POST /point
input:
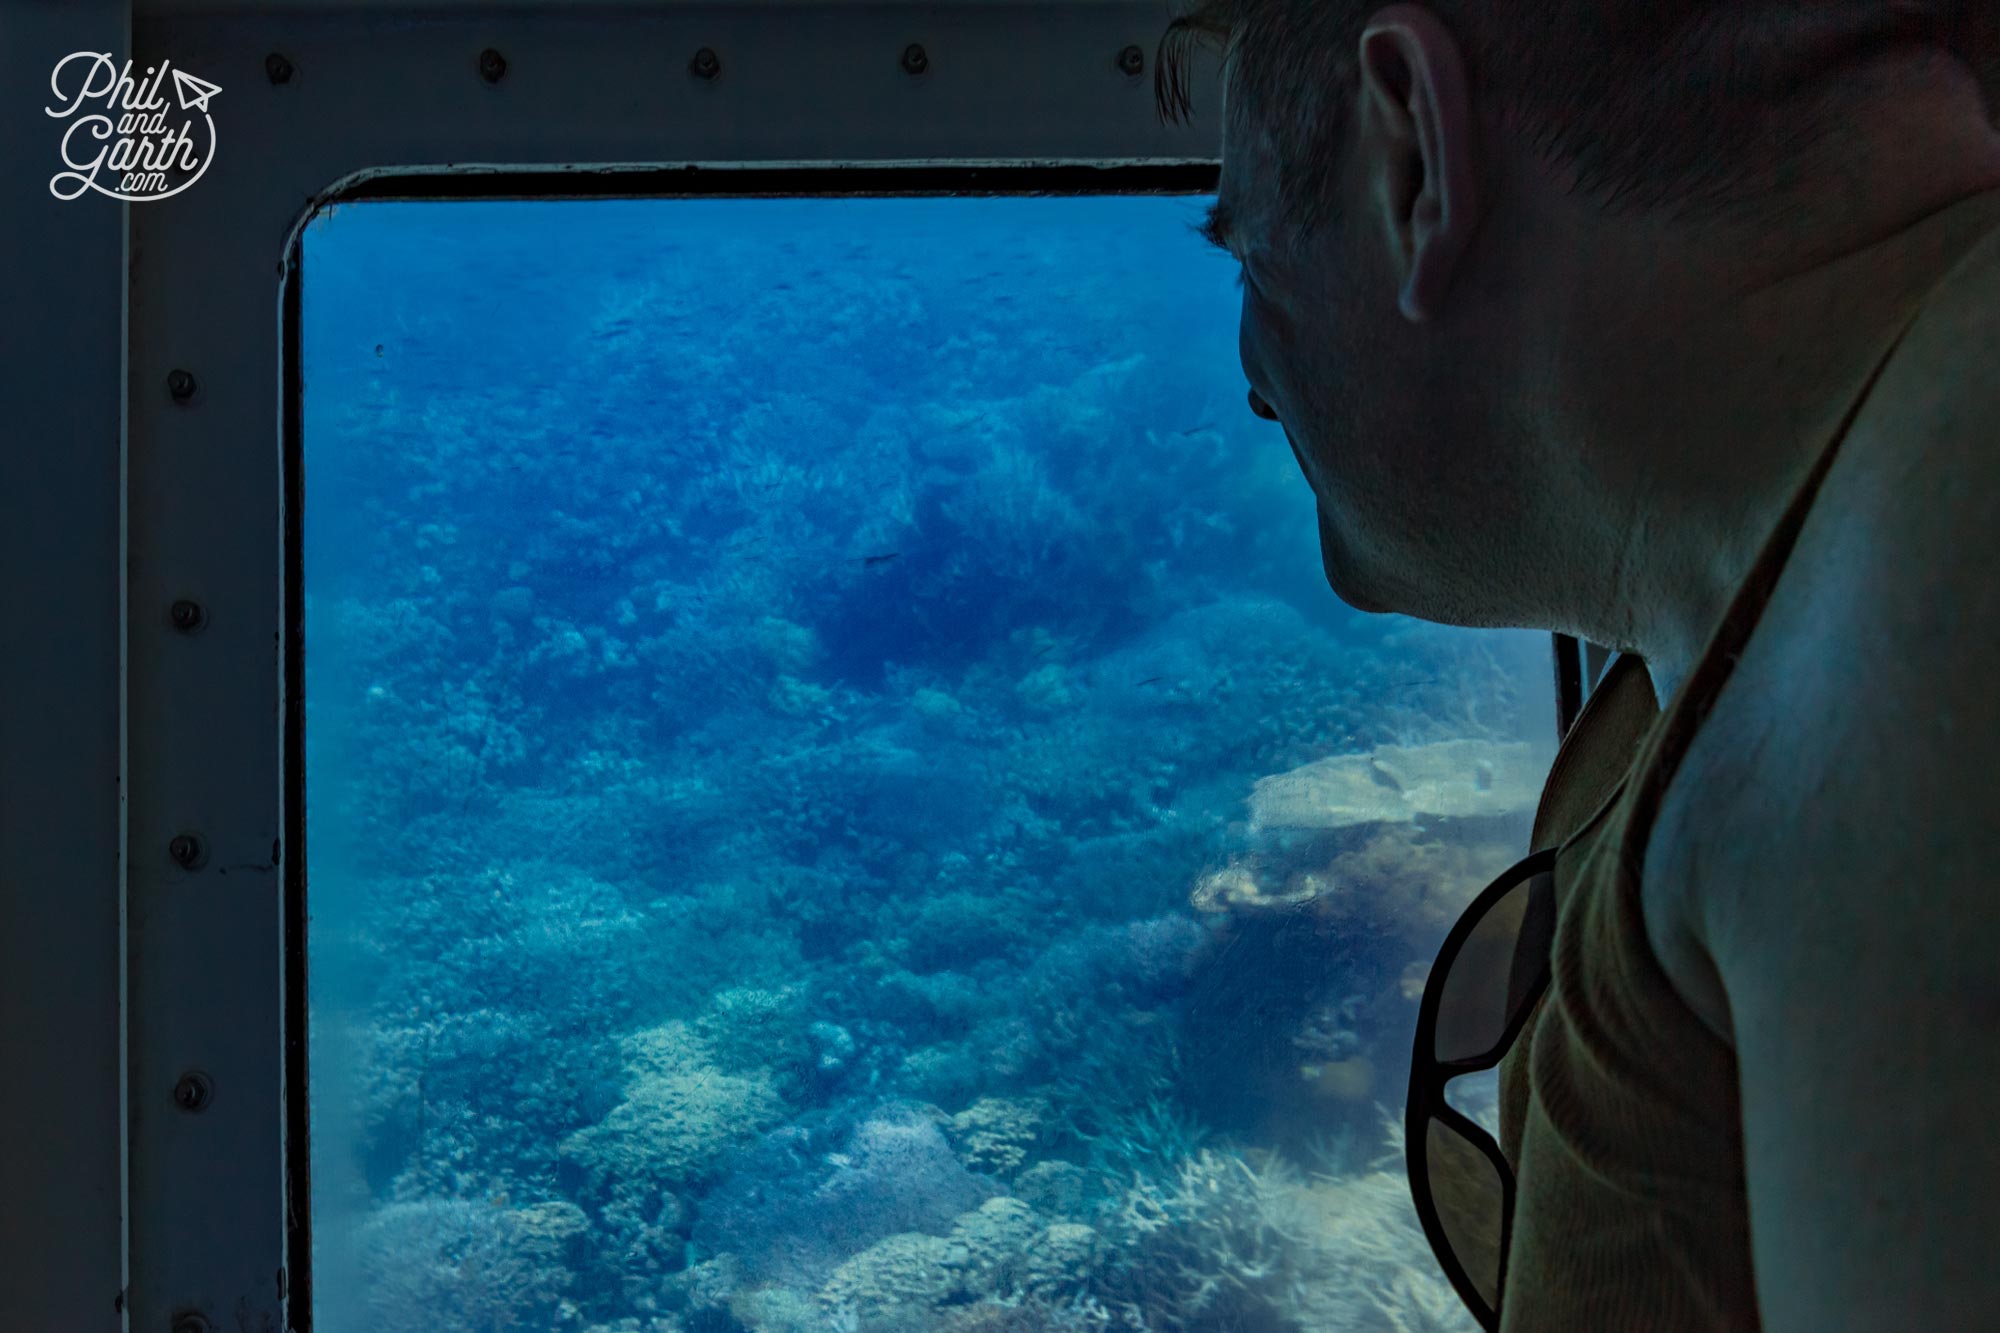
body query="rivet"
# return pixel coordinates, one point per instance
(192, 1092)
(186, 615)
(277, 68)
(180, 383)
(706, 64)
(192, 1323)
(914, 59)
(492, 65)
(1132, 60)
(186, 851)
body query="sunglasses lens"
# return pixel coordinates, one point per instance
(1470, 1200)
(1490, 981)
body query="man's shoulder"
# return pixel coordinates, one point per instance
(1863, 660)
(1897, 560)
(1938, 403)
(1906, 531)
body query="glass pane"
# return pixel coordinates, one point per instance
(1492, 978)
(1471, 1204)
(838, 795)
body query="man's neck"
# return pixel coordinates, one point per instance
(1703, 395)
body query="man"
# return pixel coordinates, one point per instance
(1565, 308)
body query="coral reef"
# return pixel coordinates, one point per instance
(840, 798)
(797, 1203)
(1057, 1189)
(1456, 779)
(996, 1134)
(1218, 1243)
(638, 1166)
(991, 1252)
(897, 1278)
(679, 1115)
(491, 1265)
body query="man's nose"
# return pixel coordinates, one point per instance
(1261, 408)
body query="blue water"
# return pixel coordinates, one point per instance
(787, 682)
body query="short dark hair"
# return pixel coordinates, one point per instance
(1648, 103)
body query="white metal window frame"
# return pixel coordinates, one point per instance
(127, 974)
(156, 971)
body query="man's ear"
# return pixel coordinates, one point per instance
(1416, 143)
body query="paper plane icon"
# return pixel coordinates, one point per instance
(194, 93)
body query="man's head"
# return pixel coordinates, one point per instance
(1434, 205)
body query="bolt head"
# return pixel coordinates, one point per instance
(277, 69)
(186, 615)
(706, 64)
(915, 59)
(1132, 60)
(180, 384)
(185, 849)
(193, 1091)
(492, 65)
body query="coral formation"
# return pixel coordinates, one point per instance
(492, 1265)
(996, 1134)
(1214, 1244)
(679, 1115)
(1465, 778)
(903, 1274)
(1055, 1188)
(795, 1204)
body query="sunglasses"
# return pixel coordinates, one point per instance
(1492, 968)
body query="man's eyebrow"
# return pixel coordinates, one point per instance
(1217, 226)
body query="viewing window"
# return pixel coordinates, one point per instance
(839, 797)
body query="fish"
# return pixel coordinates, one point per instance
(880, 559)
(1150, 680)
